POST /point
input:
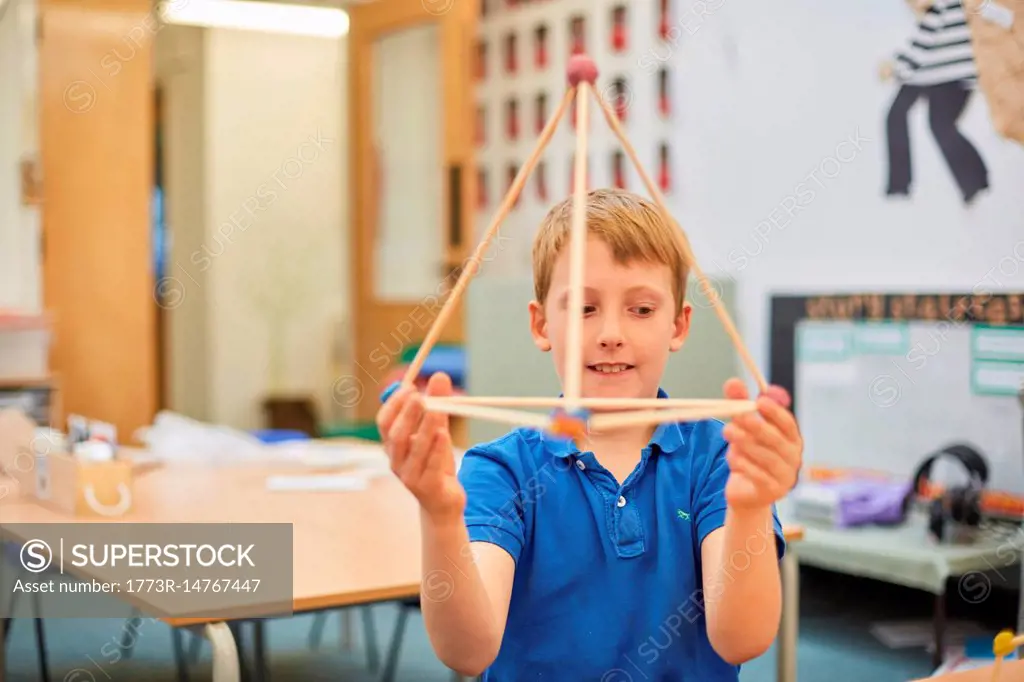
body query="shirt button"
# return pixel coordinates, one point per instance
(580, 464)
(622, 501)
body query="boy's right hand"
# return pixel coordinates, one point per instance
(419, 446)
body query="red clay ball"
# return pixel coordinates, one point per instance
(581, 68)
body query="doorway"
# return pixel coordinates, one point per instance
(412, 181)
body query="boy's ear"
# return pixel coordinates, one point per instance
(680, 328)
(539, 326)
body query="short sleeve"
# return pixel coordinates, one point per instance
(494, 508)
(709, 496)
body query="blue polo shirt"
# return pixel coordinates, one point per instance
(608, 575)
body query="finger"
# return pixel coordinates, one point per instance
(442, 456)
(778, 417)
(734, 389)
(754, 429)
(755, 474)
(439, 385)
(403, 428)
(765, 459)
(391, 409)
(417, 459)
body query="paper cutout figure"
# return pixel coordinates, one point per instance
(937, 66)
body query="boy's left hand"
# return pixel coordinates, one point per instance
(765, 449)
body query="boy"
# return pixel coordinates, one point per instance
(643, 554)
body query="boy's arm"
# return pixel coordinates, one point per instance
(741, 537)
(464, 596)
(466, 588)
(742, 584)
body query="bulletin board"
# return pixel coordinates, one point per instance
(880, 381)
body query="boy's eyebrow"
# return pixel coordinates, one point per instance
(646, 289)
(641, 289)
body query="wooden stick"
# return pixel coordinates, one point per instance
(1014, 644)
(514, 417)
(474, 262)
(577, 253)
(723, 315)
(588, 403)
(601, 422)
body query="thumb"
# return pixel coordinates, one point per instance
(735, 389)
(439, 385)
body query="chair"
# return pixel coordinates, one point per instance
(316, 633)
(405, 607)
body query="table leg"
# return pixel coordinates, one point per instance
(225, 653)
(788, 632)
(259, 651)
(346, 630)
(939, 624)
(181, 661)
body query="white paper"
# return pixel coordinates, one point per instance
(1000, 343)
(1000, 378)
(317, 483)
(828, 373)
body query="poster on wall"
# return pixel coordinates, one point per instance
(957, 50)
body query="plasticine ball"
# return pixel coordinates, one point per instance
(581, 68)
(1003, 644)
(569, 425)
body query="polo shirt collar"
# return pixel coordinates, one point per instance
(668, 437)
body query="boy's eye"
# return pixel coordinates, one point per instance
(587, 309)
(643, 310)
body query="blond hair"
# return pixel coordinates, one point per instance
(629, 224)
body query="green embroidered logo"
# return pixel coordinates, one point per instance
(683, 515)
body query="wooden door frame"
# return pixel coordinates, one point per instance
(369, 317)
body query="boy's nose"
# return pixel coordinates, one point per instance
(610, 335)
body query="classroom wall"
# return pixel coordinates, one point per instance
(19, 224)
(783, 154)
(260, 237)
(778, 157)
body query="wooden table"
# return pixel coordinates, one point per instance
(378, 526)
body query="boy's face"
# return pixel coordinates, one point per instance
(629, 325)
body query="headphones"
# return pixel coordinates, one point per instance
(958, 505)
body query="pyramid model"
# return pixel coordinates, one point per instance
(570, 415)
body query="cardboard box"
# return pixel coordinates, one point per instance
(70, 485)
(82, 488)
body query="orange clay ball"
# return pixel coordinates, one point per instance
(568, 426)
(1003, 644)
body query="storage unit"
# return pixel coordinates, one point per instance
(25, 379)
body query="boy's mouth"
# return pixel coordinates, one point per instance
(609, 368)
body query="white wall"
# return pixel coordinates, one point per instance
(769, 96)
(266, 247)
(20, 273)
